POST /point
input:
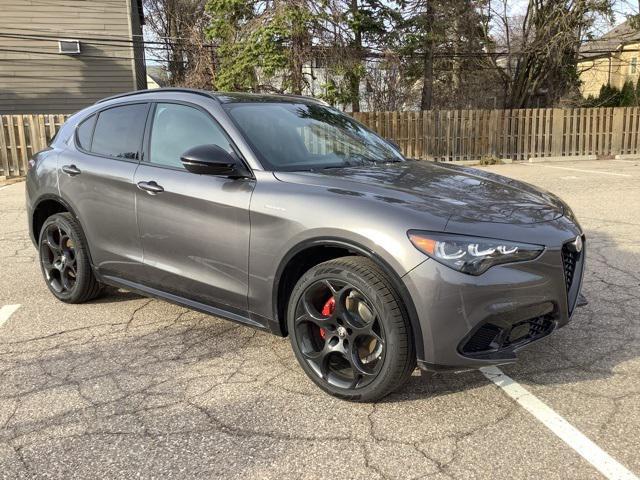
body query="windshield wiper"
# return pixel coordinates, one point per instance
(356, 160)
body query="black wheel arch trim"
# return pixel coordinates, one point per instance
(65, 204)
(359, 249)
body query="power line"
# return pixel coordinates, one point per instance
(162, 46)
(98, 41)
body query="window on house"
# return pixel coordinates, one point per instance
(634, 65)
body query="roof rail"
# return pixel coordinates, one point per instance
(306, 97)
(170, 89)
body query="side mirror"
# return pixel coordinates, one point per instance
(212, 160)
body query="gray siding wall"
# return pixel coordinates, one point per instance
(35, 78)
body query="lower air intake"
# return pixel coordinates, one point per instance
(491, 338)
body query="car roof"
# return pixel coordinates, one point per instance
(224, 97)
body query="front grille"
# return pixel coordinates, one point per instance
(491, 338)
(572, 264)
(569, 262)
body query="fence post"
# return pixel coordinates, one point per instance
(14, 170)
(24, 156)
(493, 133)
(557, 132)
(43, 133)
(4, 154)
(617, 126)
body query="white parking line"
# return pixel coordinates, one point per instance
(593, 454)
(6, 312)
(598, 172)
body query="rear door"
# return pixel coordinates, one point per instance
(194, 228)
(96, 178)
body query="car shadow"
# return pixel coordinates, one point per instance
(113, 295)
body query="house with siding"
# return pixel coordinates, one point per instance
(610, 60)
(58, 56)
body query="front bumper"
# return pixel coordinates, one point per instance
(474, 321)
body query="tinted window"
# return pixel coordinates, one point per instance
(85, 132)
(292, 136)
(119, 131)
(177, 128)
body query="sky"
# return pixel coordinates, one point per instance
(621, 8)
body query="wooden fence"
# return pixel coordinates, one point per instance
(510, 134)
(451, 135)
(23, 135)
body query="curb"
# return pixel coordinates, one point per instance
(563, 159)
(4, 181)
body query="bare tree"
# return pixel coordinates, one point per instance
(535, 54)
(180, 27)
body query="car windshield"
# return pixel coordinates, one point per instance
(300, 136)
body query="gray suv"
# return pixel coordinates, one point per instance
(283, 214)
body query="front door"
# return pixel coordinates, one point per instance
(194, 228)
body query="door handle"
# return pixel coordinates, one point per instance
(71, 170)
(150, 187)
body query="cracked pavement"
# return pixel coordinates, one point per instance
(128, 387)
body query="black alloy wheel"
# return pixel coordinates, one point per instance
(339, 334)
(58, 256)
(349, 331)
(65, 261)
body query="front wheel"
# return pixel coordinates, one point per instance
(349, 330)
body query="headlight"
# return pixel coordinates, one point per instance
(470, 254)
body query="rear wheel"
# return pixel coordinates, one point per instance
(65, 261)
(349, 330)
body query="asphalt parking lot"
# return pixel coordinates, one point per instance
(129, 387)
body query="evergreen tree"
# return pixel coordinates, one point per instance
(359, 27)
(258, 41)
(609, 96)
(627, 95)
(438, 41)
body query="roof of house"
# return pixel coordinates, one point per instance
(610, 41)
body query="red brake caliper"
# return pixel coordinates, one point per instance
(327, 310)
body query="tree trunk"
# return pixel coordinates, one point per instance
(296, 64)
(455, 78)
(354, 77)
(427, 71)
(176, 62)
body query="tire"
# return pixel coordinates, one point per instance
(64, 260)
(364, 330)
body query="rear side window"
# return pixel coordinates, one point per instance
(85, 132)
(118, 132)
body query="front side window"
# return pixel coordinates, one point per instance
(634, 65)
(299, 136)
(119, 130)
(177, 128)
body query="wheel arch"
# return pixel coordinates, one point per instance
(46, 206)
(318, 250)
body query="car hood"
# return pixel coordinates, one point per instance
(458, 193)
